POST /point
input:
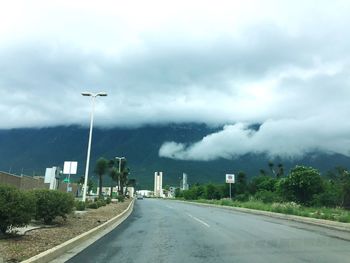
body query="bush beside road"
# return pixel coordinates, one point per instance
(15, 248)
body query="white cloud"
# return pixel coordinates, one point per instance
(284, 65)
(289, 138)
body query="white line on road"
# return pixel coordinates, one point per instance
(198, 220)
(168, 206)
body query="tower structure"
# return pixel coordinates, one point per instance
(184, 182)
(158, 184)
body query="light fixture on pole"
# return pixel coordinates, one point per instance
(93, 97)
(120, 165)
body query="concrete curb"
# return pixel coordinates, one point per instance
(52, 253)
(307, 220)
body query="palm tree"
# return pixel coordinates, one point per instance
(113, 173)
(124, 178)
(100, 169)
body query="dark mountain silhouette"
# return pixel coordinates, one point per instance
(30, 151)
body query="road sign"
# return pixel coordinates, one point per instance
(230, 178)
(66, 180)
(70, 167)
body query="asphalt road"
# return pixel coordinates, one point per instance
(167, 231)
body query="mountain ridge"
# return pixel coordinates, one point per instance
(30, 151)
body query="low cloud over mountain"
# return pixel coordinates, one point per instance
(288, 139)
(284, 65)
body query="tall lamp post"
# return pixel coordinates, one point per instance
(93, 97)
(120, 166)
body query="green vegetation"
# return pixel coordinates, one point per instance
(93, 205)
(80, 205)
(100, 169)
(290, 208)
(51, 204)
(98, 202)
(118, 172)
(302, 192)
(120, 198)
(16, 208)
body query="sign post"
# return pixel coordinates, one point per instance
(230, 179)
(70, 168)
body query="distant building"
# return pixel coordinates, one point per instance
(158, 184)
(184, 185)
(145, 193)
(52, 177)
(171, 192)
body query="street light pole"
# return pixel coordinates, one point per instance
(93, 97)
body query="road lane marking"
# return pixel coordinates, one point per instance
(198, 220)
(168, 206)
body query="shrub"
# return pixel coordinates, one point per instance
(80, 205)
(266, 196)
(120, 198)
(212, 192)
(260, 183)
(101, 202)
(226, 202)
(108, 200)
(51, 203)
(93, 205)
(16, 208)
(242, 197)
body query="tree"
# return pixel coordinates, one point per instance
(90, 185)
(241, 183)
(212, 192)
(345, 182)
(124, 178)
(100, 169)
(195, 192)
(301, 185)
(123, 172)
(344, 185)
(262, 183)
(330, 197)
(113, 173)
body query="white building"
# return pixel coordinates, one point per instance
(145, 193)
(158, 184)
(52, 176)
(184, 185)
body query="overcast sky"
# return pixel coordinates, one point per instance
(283, 64)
